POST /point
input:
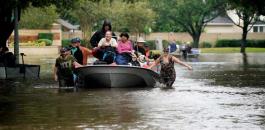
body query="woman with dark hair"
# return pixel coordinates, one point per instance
(124, 50)
(97, 52)
(98, 35)
(167, 72)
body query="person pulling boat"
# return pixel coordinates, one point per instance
(167, 72)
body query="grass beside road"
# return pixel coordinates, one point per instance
(231, 50)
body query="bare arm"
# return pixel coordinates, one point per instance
(176, 60)
(55, 73)
(89, 52)
(77, 65)
(155, 63)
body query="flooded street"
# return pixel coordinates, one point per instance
(224, 91)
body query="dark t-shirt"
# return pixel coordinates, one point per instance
(65, 66)
(78, 55)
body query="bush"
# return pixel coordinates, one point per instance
(67, 42)
(206, 45)
(237, 43)
(47, 42)
(152, 45)
(45, 36)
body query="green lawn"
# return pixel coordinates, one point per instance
(231, 50)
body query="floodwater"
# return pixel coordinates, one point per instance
(224, 91)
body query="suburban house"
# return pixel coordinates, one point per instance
(69, 30)
(66, 26)
(222, 24)
(225, 24)
(258, 27)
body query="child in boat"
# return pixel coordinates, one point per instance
(63, 70)
(167, 72)
(134, 61)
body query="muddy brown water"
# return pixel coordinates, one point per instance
(224, 91)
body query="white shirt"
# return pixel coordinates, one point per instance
(112, 42)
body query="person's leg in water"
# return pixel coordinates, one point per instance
(168, 82)
(66, 82)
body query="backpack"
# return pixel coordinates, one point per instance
(109, 54)
(109, 57)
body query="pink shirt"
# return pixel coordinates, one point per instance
(124, 47)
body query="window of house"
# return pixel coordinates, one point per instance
(261, 29)
(255, 29)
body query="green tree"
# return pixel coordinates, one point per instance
(38, 17)
(258, 5)
(125, 15)
(89, 13)
(193, 15)
(7, 9)
(163, 9)
(137, 16)
(248, 15)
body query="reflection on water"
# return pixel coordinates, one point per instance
(220, 93)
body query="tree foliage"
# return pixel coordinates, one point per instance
(7, 8)
(191, 15)
(258, 5)
(130, 16)
(247, 14)
(38, 17)
(136, 16)
(163, 23)
(88, 13)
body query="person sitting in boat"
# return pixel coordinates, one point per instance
(76, 43)
(7, 58)
(76, 51)
(64, 65)
(124, 49)
(144, 61)
(167, 71)
(98, 35)
(108, 46)
(139, 47)
(134, 61)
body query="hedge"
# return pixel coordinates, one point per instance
(206, 45)
(47, 42)
(45, 36)
(237, 43)
(152, 45)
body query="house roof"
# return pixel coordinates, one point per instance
(260, 23)
(67, 25)
(221, 20)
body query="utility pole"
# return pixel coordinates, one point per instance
(16, 36)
